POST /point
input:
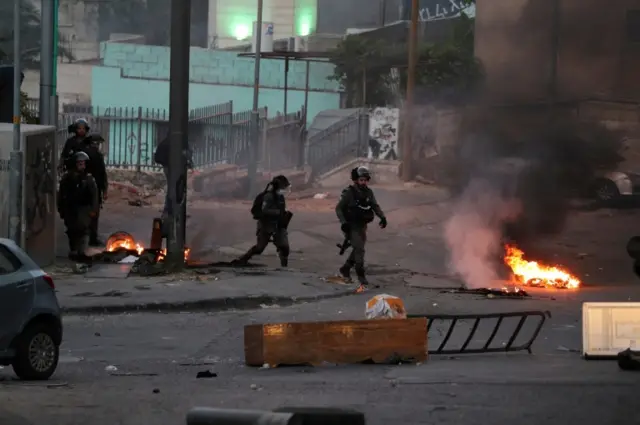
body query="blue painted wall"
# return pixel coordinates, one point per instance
(135, 76)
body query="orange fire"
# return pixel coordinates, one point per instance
(163, 253)
(125, 244)
(130, 245)
(531, 273)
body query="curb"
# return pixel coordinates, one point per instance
(210, 304)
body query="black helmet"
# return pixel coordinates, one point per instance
(81, 156)
(280, 182)
(360, 172)
(80, 121)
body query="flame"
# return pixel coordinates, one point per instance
(130, 245)
(126, 244)
(163, 253)
(534, 274)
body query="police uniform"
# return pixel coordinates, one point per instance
(77, 203)
(82, 142)
(357, 208)
(270, 222)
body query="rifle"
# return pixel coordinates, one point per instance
(346, 244)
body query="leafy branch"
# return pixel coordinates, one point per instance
(446, 72)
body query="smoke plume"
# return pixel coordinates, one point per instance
(516, 186)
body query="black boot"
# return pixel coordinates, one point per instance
(96, 242)
(244, 260)
(284, 262)
(362, 279)
(345, 272)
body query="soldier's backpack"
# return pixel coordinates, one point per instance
(256, 208)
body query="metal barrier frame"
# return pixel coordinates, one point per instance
(509, 347)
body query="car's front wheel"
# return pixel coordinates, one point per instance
(37, 353)
(606, 190)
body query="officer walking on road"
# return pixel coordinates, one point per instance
(77, 204)
(357, 208)
(270, 210)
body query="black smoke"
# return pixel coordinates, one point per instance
(514, 180)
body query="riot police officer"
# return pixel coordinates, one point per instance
(98, 169)
(77, 204)
(79, 130)
(270, 211)
(83, 141)
(355, 210)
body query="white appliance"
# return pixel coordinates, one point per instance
(266, 40)
(609, 328)
(39, 186)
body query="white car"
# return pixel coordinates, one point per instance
(616, 184)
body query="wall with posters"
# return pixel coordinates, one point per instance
(383, 133)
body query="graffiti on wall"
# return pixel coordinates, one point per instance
(40, 186)
(383, 133)
(431, 10)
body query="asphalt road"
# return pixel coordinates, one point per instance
(157, 357)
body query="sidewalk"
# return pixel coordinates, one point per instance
(229, 289)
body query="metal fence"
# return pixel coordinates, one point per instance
(217, 135)
(343, 141)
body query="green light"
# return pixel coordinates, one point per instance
(241, 31)
(305, 29)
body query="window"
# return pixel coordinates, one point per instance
(9, 263)
(633, 26)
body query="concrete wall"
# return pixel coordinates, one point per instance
(515, 41)
(135, 76)
(138, 76)
(74, 83)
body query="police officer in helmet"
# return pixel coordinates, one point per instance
(270, 212)
(81, 140)
(357, 208)
(77, 204)
(78, 131)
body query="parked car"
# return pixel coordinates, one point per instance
(616, 184)
(30, 317)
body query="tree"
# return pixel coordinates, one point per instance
(29, 35)
(446, 72)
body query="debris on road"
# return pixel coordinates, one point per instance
(629, 360)
(111, 368)
(336, 342)
(206, 374)
(385, 307)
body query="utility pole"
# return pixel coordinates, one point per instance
(255, 113)
(46, 61)
(407, 148)
(179, 132)
(54, 72)
(15, 179)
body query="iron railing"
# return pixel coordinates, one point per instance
(345, 140)
(217, 135)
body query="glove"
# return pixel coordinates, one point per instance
(383, 222)
(345, 228)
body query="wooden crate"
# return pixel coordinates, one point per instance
(340, 342)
